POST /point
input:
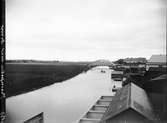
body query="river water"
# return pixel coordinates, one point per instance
(64, 102)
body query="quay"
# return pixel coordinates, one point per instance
(142, 99)
(130, 104)
(97, 111)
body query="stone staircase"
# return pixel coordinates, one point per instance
(97, 111)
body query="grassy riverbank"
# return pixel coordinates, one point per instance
(23, 77)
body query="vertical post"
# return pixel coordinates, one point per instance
(165, 104)
(2, 34)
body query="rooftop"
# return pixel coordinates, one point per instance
(157, 59)
(161, 77)
(130, 97)
(117, 72)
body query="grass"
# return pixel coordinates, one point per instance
(25, 77)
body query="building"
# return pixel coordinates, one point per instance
(157, 92)
(132, 65)
(156, 61)
(117, 75)
(131, 105)
(135, 60)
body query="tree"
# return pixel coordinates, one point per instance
(120, 61)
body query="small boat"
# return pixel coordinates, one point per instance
(102, 71)
(114, 89)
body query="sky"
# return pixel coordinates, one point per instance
(85, 30)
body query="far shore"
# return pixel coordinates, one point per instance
(23, 77)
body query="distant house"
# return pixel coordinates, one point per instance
(156, 61)
(131, 105)
(134, 60)
(117, 75)
(135, 65)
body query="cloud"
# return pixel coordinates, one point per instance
(91, 29)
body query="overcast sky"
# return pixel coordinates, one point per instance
(84, 29)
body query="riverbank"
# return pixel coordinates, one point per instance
(24, 77)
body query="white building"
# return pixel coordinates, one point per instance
(156, 61)
(135, 60)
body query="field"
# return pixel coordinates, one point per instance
(25, 77)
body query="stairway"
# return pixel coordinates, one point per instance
(97, 111)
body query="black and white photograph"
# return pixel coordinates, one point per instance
(83, 61)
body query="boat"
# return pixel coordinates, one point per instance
(115, 89)
(102, 71)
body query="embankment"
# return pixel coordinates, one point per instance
(25, 77)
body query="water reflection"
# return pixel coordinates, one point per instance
(62, 102)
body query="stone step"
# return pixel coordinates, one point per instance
(97, 110)
(95, 114)
(98, 107)
(94, 111)
(89, 120)
(107, 98)
(103, 102)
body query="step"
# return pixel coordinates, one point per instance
(94, 111)
(107, 98)
(110, 99)
(95, 114)
(89, 120)
(103, 102)
(97, 111)
(99, 107)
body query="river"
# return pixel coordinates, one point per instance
(64, 102)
